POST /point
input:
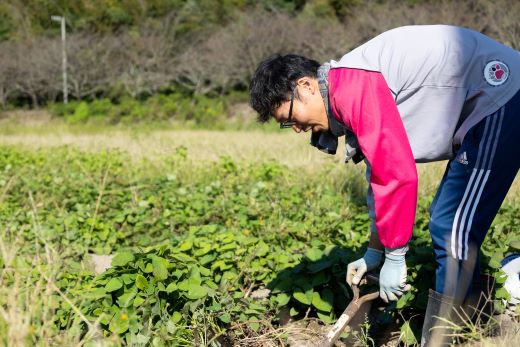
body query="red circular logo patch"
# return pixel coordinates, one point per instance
(496, 72)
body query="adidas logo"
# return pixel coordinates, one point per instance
(462, 158)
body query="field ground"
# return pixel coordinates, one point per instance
(100, 194)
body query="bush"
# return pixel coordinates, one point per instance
(199, 110)
(80, 115)
(99, 108)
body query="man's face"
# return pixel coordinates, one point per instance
(308, 110)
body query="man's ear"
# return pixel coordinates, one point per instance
(307, 83)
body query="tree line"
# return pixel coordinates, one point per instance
(160, 55)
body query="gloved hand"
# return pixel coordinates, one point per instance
(392, 278)
(357, 269)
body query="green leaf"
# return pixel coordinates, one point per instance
(148, 268)
(195, 276)
(208, 258)
(126, 299)
(141, 282)
(186, 245)
(220, 264)
(210, 284)
(161, 287)
(303, 297)
(320, 278)
(305, 284)
(293, 312)
(214, 308)
(282, 299)
(282, 285)
(160, 272)
(256, 308)
(104, 318)
(515, 244)
(324, 304)
(119, 323)
(171, 287)
(183, 285)
(183, 258)
(314, 254)
(176, 317)
(229, 276)
(138, 301)
(325, 317)
(403, 300)
(254, 325)
(261, 249)
(203, 250)
(494, 263)
(502, 293)
(95, 294)
(407, 336)
(319, 266)
(140, 340)
(196, 292)
(123, 258)
(113, 285)
(226, 318)
(204, 271)
(229, 247)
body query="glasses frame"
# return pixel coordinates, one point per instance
(289, 122)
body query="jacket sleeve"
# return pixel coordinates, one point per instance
(363, 102)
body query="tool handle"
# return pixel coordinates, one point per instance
(337, 329)
(372, 278)
(351, 310)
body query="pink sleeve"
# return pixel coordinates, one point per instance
(362, 101)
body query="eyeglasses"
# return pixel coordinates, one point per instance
(289, 123)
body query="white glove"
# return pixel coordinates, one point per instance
(357, 269)
(392, 278)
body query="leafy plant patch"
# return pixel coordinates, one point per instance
(193, 244)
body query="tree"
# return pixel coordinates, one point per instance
(93, 63)
(36, 69)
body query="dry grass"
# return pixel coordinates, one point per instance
(510, 339)
(500, 331)
(27, 299)
(202, 146)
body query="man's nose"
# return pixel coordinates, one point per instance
(296, 128)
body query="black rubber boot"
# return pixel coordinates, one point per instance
(440, 320)
(446, 318)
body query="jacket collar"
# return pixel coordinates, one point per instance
(327, 141)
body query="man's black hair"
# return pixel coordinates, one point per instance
(274, 80)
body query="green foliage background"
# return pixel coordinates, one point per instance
(30, 18)
(198, 110)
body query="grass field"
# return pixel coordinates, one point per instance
(148, 194)
(150, 143)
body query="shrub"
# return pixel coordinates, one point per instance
(204, 111)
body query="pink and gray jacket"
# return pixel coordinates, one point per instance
(410, 95)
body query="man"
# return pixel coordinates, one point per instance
(412, 94)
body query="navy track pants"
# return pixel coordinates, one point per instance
(474, 186)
